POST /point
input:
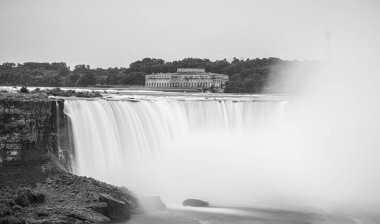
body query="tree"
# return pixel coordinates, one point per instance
(249, 75)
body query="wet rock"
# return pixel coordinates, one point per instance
(115, 209)
(152, 203)
(195, 203)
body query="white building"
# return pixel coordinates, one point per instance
(186, 78)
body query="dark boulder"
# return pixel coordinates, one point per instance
(12, 220)
(195, 203)
(42, 214)
(5, 207)
(84, 215)
(4, 210)
(115, 209)
(26, 197)
(37, 197)
(152, 203)
(99, 207)
(7, 202)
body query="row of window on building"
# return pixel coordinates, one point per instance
(189, 76)
(200, 85)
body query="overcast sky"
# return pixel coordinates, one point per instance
(115, 33)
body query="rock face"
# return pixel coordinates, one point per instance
(33, 130)
(195, 203)
(36, 185)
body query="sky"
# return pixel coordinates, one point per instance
(115, 33)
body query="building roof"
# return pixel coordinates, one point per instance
(191, 70)
(188, 72)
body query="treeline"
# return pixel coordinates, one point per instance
(59, 74)
(249, 75)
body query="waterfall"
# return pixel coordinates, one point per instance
(57, 120)
(157, 141)
(231, 151)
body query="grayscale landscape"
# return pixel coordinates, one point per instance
(189, 112)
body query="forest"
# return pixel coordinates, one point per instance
(245, 75)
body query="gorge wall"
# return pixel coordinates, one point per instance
(36, 183)
(33, 132)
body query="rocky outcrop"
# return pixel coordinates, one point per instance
(33, 131)
(67, 198)
(115, 209)
(195, 203)
(67, 93)
(36, 185)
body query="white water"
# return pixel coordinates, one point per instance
(170, 147)
(231, 151)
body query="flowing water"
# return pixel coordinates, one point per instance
(166, 142)
(250, 151)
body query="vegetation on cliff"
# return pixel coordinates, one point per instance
(248, 76)
(66, 93)
(40, 94)
(20, 97)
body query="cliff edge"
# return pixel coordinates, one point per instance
(36, 183)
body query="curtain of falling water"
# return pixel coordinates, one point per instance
(113, 138)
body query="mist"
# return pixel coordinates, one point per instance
(333, 124)
(314, 149)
